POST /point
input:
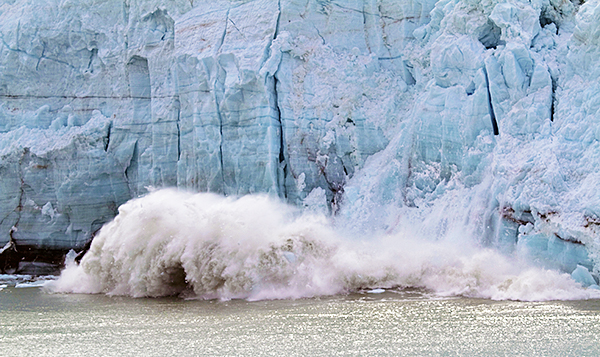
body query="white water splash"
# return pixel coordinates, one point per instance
(254, 247)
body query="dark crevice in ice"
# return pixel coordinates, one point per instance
(331, 167)
(278, 113)
(41, 56)
(470, 90)
(545, 19)
(10, 249)
(93, 55)
(490, 34)
(19, 208)
(87, 245)
(365, 13)
(408, 75)
(553, 98)
(107, 138)
(217, 103)
(178, 108)
(220, 137)
(222, 39)
(389, 58)
(282, 161)
(282, 168)
(319, 33)
(234, 25)
(276, 33)
(548, 17)
(131, 170)
(490, 105)
(267, 51)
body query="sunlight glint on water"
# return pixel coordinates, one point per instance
(389, 324)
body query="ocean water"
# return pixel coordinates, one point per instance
(393, 323)
(183, 274)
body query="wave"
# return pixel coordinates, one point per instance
(254, 247)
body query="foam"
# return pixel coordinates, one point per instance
(211, 247)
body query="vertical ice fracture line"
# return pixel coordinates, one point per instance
(107, 139)
(217, 101)
(282, 169)
(178, 103)
(490, 105)
(553, 98)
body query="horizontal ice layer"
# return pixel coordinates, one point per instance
(473, 117)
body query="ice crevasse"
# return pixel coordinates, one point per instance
(477, 117)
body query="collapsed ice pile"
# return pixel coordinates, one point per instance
(388, 113)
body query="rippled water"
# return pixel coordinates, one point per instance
(394, 323)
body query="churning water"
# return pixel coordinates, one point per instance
(205, 246)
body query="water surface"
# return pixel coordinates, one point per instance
(394, 323)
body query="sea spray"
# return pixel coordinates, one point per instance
(202, 245)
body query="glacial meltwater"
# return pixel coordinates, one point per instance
(391, 323)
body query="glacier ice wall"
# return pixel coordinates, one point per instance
(474, 116)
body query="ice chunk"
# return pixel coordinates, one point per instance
(582, 275)
(553, 251)
(376, 291)
(518, 21)
(32, 284)
(290, 257)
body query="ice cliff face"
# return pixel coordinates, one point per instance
(486, 111)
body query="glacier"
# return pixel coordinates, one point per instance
(474, 118)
